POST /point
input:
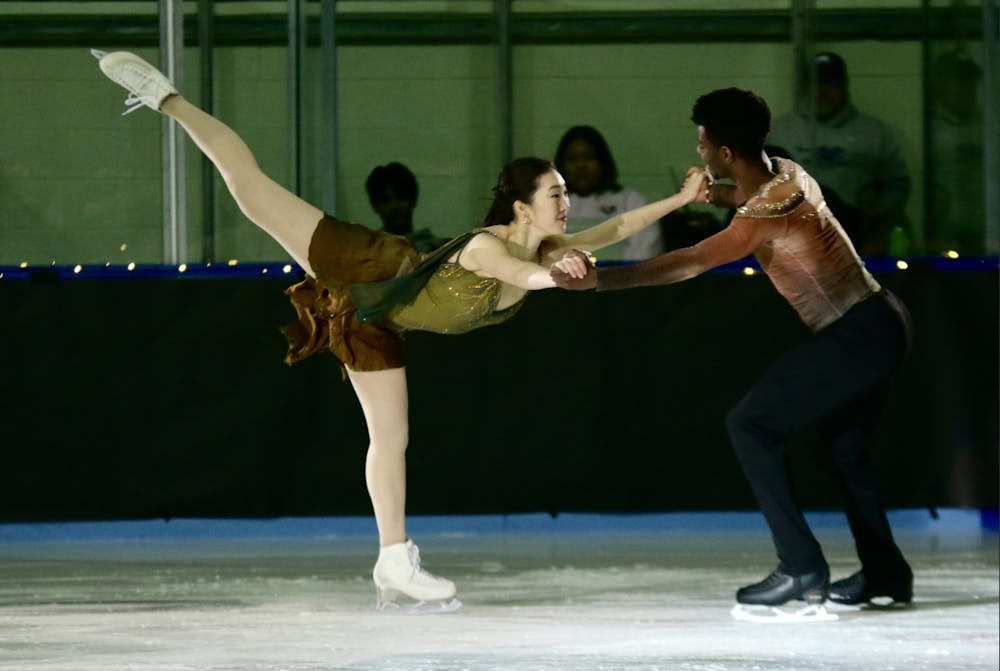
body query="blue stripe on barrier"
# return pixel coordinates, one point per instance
(945, 519)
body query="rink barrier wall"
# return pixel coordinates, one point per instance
(167, 397)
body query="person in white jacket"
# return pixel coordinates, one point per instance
(584, 159)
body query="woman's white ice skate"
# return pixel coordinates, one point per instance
(146, 85)
(397, 572)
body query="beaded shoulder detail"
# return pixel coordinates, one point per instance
(760, 206)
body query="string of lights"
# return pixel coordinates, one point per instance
(228, 269)
(235, 268)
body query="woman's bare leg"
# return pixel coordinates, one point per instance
(383, 398)
(283, 215)
(384, 401)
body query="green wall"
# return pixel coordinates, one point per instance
(78, 181)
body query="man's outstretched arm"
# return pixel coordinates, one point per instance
(731, 244)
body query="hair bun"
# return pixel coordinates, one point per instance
(500, 189)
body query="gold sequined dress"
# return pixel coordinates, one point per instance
(343, 254)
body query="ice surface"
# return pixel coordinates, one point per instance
(650, 597)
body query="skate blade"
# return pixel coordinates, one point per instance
(843, 607)
(878, 603)
(774, 615)
(419, 607)
(887, 603)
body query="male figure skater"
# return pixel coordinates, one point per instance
(837, 377)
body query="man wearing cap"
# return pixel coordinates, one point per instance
(852, 153)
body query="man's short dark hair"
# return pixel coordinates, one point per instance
(734, 118)
(395, 176)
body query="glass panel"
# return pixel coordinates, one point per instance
(857, 122)
(418, 84)
(956, 161)
(432, 109)
(78, 183)
(892, 124)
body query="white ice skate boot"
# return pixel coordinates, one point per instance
(398, 571)
(146, 85)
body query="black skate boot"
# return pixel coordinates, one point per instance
(760, 602)
(881, 591)
(779, 588)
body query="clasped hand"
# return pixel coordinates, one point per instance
(574, 271)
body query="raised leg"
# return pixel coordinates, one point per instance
(283, 215)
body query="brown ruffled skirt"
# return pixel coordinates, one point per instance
(342, 253)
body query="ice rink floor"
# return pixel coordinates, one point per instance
(581, 593)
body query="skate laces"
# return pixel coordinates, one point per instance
(132, 103)
(140, 93)
(773, 578)
(414, 554)
(135, 99)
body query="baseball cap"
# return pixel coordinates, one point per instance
(830, 68)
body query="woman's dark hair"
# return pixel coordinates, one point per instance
(590, 135)
(734, 118)
(517, 181)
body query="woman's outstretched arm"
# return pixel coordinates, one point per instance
(488, 256)
(621, 226)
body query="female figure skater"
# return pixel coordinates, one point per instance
(360, 293)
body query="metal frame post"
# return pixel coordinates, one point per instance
(990, 95)
(803, 51)
(206, 41)
(331, 117)
(501, 10)
(172, 63)
(296, 50)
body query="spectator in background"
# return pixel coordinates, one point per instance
(956, 213)
(852, 153)
(584, 160)
(392, 191)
